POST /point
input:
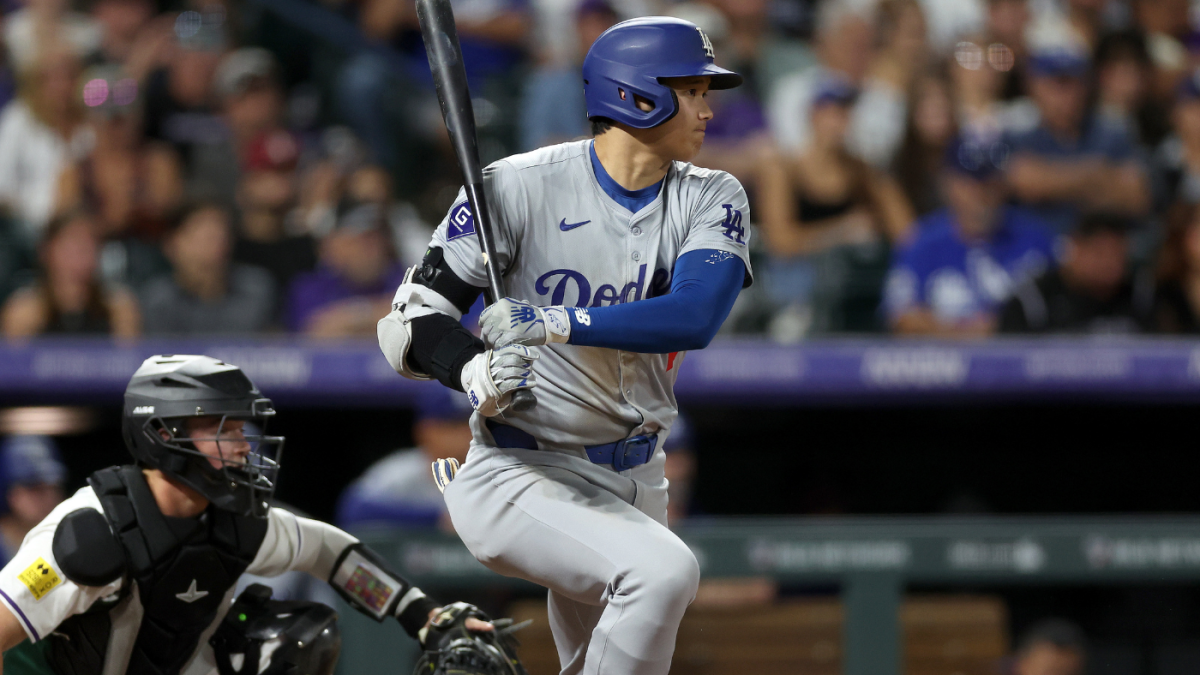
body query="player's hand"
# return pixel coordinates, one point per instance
(470, 623)
(512, 322)
(490, 378)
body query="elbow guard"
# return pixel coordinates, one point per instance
(431, 295)
(366, 582)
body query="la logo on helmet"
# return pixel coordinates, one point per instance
(708, 48)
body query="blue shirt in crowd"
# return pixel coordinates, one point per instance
(957, 280)
(1101, 138)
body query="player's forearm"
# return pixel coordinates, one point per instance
(441, 346)
(687, 318)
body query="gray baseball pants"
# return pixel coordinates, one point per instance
(619, 580)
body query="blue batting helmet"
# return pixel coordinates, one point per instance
(633, 56)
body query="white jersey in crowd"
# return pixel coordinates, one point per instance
(562, 240)
(34, 589)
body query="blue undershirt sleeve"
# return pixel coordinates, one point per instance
(705, 285)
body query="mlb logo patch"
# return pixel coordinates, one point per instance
(461, 222)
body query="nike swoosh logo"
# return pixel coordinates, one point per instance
(565, 226)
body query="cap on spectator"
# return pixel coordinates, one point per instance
(1091, 224)
(834, 89)
(275, 150)
(439, 404)
(977, 158)
(358, 217)
(681, 435)
(30, 460)
(243, 68)
(1059, 61)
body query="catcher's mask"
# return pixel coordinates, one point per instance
(451, 649)
(169, 390)
(261, 636)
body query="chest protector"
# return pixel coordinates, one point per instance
(183, 568)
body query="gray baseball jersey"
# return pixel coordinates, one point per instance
(561, 240)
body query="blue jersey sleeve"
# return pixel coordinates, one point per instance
(704, 287)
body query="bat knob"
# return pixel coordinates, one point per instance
(523, 400)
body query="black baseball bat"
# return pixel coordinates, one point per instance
(450, 77)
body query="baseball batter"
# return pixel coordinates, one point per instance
(620, 256)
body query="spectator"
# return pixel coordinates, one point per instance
(270, 236)
(679, 470)
(17, 259)
(68, 296)
(492, 36)
(737, 136)
(132, 186)
(1007, 21)
(352, 287)
(180, 105)
(370, 184)
(1093, 291)
(398, 489)
(977, 69)
(821, 200)
(41, 132)
(32, 476)
(931, 128)
(1073, 161)
(553, 109)
(1177, 160)
(207, 293)
(957, 273)
(121, 22)
(1124, 73)
(251, 99)
(1051, 647)
(845, 39)
(49, 24)
(1178, 306)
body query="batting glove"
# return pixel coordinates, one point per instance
(490, 378)
(443, 472)
(512, 322)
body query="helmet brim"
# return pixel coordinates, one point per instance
(721, 78)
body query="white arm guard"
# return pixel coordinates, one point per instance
(411, 301)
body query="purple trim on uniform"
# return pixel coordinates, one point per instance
(21, 614)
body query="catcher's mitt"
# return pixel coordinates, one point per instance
(451, 649)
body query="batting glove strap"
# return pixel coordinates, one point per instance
(558, 324)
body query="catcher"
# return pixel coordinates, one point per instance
(136, 572)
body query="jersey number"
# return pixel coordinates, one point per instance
(733, 224)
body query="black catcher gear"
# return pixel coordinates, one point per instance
(261, 636)
(168, 389)
(451, 649)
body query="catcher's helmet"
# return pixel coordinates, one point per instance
(261, 636)
(634, 55)
(164, 391)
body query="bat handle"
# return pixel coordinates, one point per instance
(523, 400)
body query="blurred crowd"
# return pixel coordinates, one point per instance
(919, 167)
